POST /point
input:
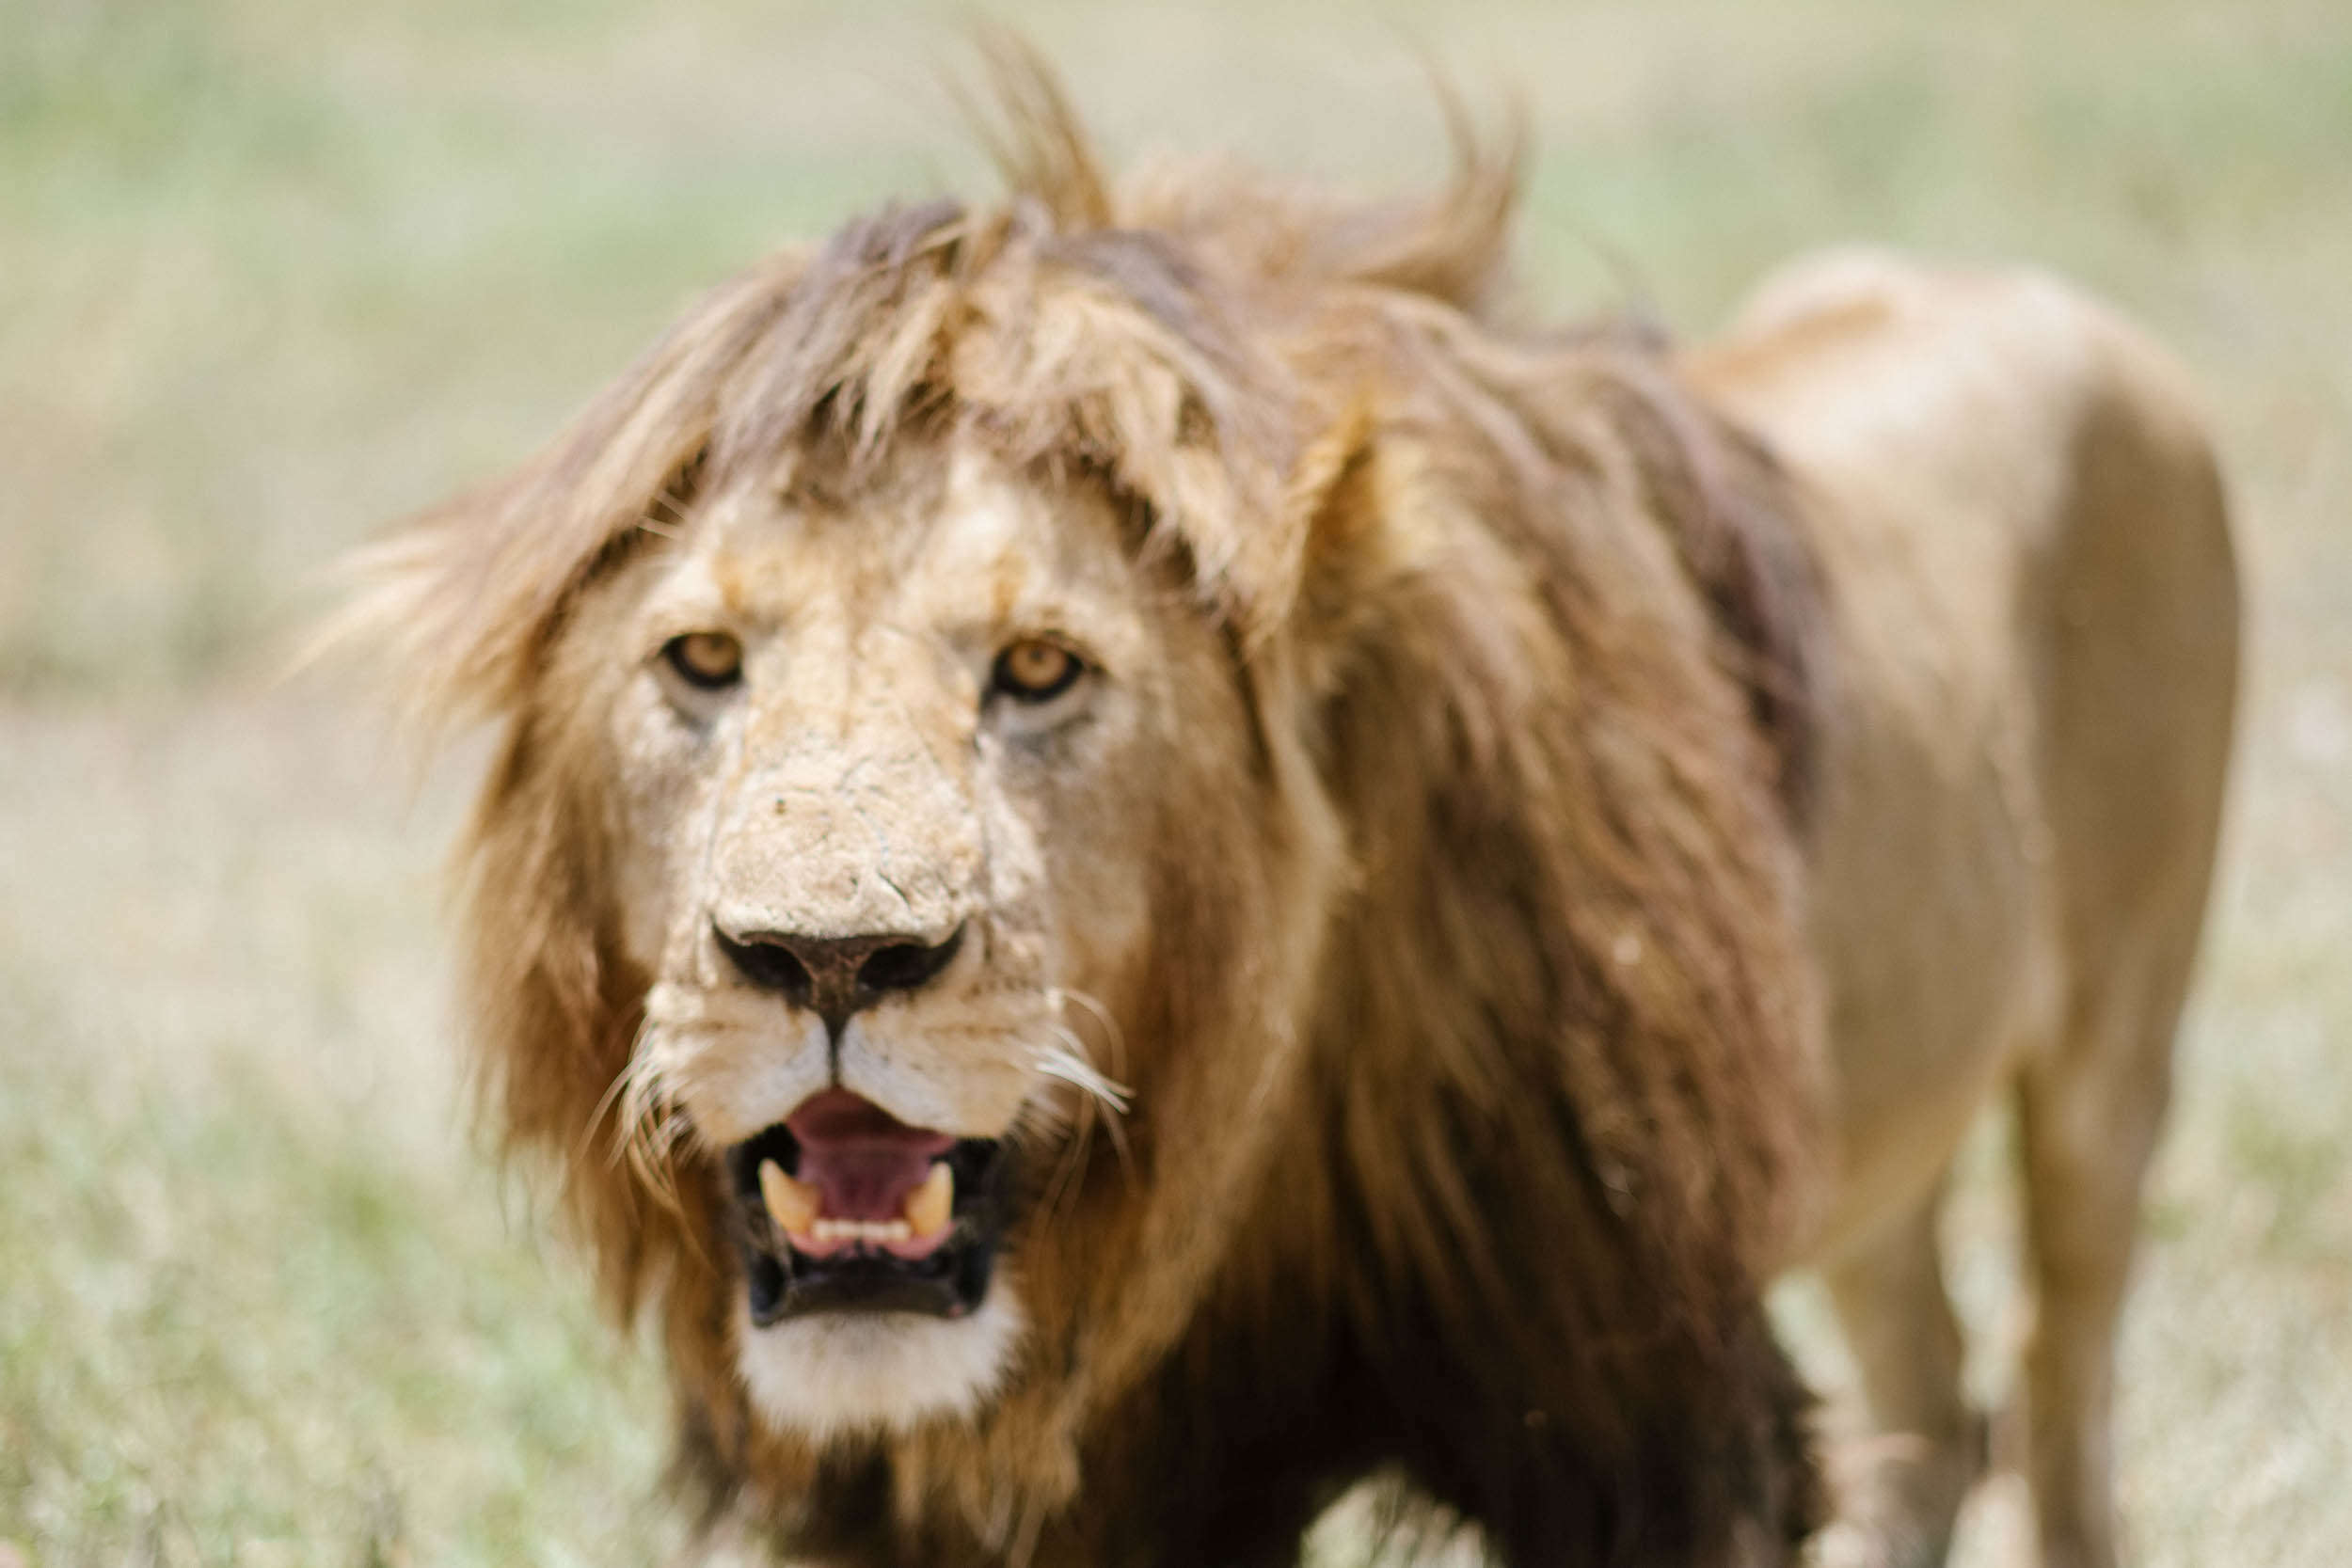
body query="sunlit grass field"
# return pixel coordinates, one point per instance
(272, 274)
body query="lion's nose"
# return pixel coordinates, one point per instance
(835, 976)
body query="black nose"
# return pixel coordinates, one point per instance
(834, 976)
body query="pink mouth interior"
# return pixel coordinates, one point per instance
(862, 1161)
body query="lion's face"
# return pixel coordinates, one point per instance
(892, 777)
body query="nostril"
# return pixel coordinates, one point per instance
(834, 976)
(770, 966)
(905, 965)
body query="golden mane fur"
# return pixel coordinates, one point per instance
(1521, 631)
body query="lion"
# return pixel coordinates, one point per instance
(2029, 632)
(1145, 860)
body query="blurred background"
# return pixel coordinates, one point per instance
(273, 273)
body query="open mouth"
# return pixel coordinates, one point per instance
(841, 1206)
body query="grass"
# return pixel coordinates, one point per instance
(273, 273)
(256, 1293)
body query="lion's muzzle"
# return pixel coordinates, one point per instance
(840, 1207)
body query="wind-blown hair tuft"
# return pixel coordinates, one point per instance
(1124, 328)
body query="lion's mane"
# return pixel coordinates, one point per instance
(1537, 623)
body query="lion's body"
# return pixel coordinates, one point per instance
(2028, 672)
(1474, 732)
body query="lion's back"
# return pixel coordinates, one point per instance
(2028, 672)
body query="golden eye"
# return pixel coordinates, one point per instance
(709, 659)
(1036, 671)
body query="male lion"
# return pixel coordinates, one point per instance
(1143, 862)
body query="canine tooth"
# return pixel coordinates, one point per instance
(793, 1205)
(929, 1208)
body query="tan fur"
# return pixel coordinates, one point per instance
(1428, 870)
(2032, 660)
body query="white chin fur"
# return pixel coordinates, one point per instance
(832, 1375)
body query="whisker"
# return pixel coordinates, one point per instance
(1079, 1137)
(1065, 1061)
(651, 1128)
(1072, 1067)
(615, 1091)
(612, 1092)
(1064, 1181)
(1098, 1095)
(1114, 1037)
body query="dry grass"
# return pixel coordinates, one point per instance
(270, 273)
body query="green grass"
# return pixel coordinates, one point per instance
(273, 273)
(254, 1291)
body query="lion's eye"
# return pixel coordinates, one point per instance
(709, 659)
(1036, 671)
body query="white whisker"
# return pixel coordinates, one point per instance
(612, 1091)
(1067, 1064)
(649, 1128)
(1115, 1038)
(1100, 1100)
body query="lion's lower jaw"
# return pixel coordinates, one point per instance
(833, 1375)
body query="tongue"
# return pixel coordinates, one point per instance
(863, 1160)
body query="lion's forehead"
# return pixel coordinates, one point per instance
(940, 543)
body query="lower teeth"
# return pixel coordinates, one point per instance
(793, 1207)
(862, 1231)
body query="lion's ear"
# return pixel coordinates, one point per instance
(1344, 553)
